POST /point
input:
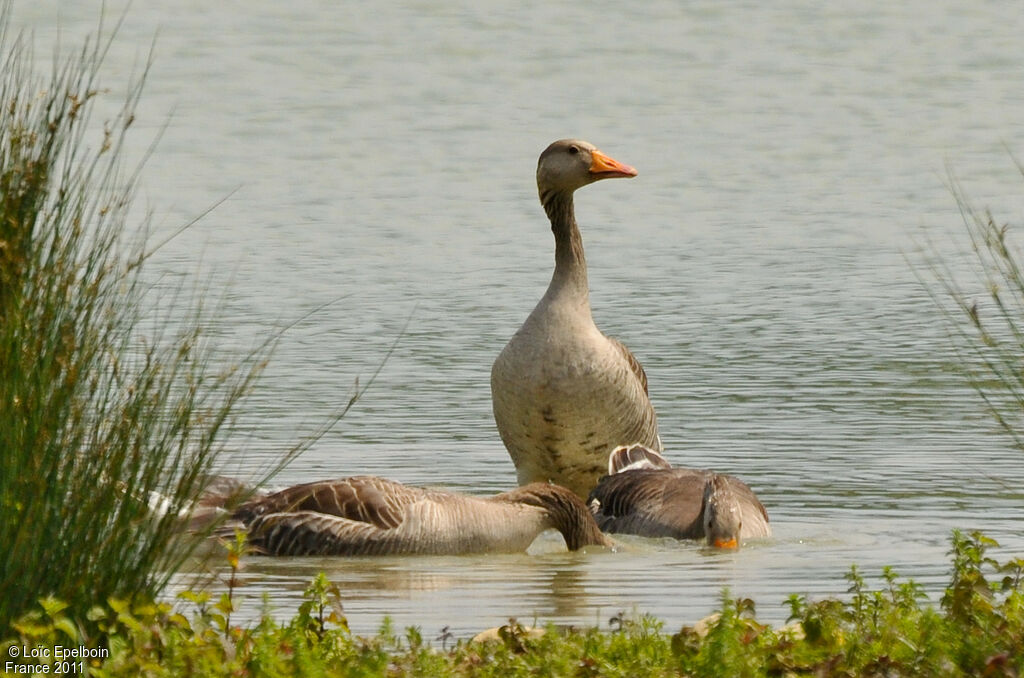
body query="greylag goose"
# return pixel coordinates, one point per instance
(645, 495)
(564, 394)
(366, 515)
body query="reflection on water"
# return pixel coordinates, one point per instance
(677, 582)
(792, 159)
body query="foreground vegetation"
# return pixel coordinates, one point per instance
(111, 393)
(984, 310)
(976, 630)
(99, 406)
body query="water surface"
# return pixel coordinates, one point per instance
(792, 159)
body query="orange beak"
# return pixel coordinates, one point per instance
(606, 168)
(726, 543)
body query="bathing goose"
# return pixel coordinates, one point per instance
(366, 515)
(564, 394)
(645, 495)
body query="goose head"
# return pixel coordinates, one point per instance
(722, 516)
(564, 511)
(569, 164)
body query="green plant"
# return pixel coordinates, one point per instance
(891, 630)
(985, 312)
(114, 402)
(100, 409)
(321, 597)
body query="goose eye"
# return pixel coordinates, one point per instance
(574, 150)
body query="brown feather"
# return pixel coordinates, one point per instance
(634, 364)
(674, 502)
(366, 515)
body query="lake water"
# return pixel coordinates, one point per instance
(792, 158)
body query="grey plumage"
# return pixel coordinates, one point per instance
(564, 395)
(646, 496)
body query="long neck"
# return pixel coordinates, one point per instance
(566, 513)
(570, 264)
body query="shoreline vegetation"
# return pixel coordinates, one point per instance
(116, 404)
(103, 407)
(889, 630)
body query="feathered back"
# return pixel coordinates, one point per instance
(366, 515)
(365, 499)
(644, 495)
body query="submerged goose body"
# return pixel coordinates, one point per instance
(645, 495)
(367, 515)
(564, 395)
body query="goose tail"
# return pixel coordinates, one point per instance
(632, 457)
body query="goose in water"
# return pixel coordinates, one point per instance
(564, 394)
(366, 515)
(645, 495)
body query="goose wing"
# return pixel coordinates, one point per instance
(634, 364)
(311, 533)
(651, 502)
(375, 501)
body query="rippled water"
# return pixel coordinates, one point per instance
(792, 156)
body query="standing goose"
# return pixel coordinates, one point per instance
(644, 495)
(564, 394)
(366, 515)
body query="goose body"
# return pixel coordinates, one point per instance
(646, 496)
(564, 395)
(367, 515)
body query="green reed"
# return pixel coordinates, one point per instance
(111, 394)
(985, 311)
